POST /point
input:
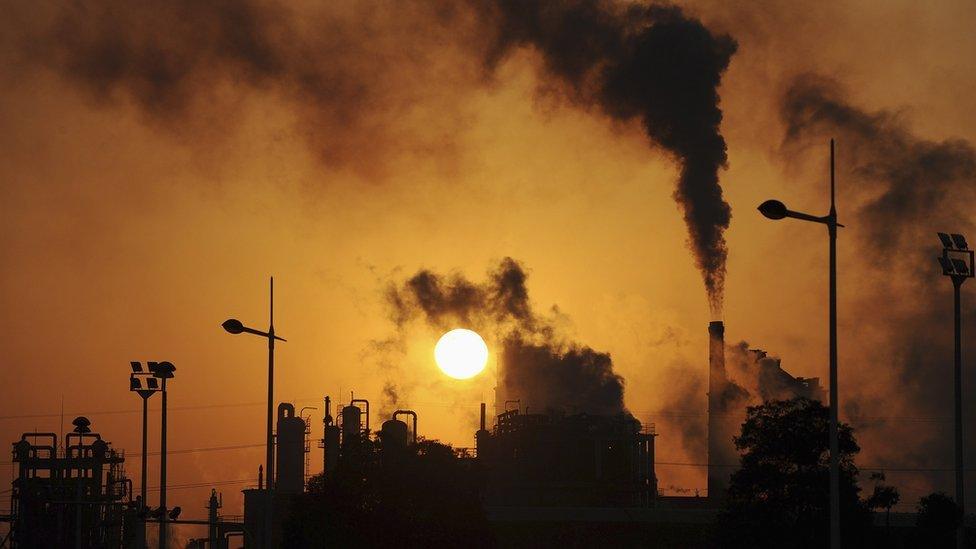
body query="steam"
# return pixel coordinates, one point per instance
(368, 83)
(537, 368)
(649, 63)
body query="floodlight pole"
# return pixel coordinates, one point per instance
(162, 474)
(958, 270)
(141, 534)
(145, 443)
(957, 281)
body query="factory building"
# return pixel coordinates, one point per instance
(75, 495)
(579, 460)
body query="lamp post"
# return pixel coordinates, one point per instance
(957, 263)
(163, 371)
(146, 385)
(774, 209)
(235, 326)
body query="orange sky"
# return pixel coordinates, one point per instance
(125, 239)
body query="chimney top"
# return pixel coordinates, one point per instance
(716, 326)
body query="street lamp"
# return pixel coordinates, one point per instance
(957, 263)
(235, 326)
(774, 209)
(146, 385)
(163, 371)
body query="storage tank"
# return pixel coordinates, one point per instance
(330, 440)
(394, 435)
(291, 450)
(352, 421)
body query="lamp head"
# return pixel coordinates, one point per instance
(233, 326)
(773, 209)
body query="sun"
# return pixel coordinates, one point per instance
(461, 353)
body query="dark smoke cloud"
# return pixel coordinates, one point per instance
(355, 76)
(367, 83)
(650, 63)
(546, 374)
(903, 189)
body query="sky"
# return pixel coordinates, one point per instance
(139, 210)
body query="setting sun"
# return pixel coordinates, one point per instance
(461, 353)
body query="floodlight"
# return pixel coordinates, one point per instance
(162, 370)
(134, 384)
(773, 209)
(960, 241)
(960, 266)
(136, 366)
(946, 240)
(153, 383)
(174, 513)
(946, 265)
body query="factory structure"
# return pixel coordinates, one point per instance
(727, 402)
(78, 494)
(75, 495)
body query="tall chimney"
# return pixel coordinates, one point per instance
(717, 384)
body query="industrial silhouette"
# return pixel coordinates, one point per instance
(552, 468)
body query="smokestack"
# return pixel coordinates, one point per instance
(717, 479)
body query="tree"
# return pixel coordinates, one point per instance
(780, 495)
(884, 497)
(419, 496)
(937, 519)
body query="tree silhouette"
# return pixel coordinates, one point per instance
(884, 497)
(419, 496)
(780, 495)
(937, 519)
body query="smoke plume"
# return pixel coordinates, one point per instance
(544, 372)
(649, 63)
(897, 189)
(366, 84)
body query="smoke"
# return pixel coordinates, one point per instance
(649, 63)
(897, 189)
(538, 368)
(391, 399)
(366, 84)
(359, 82)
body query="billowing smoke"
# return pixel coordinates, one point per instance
(896, 190)
(544, 372)
(648, 63)
(367, 83)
